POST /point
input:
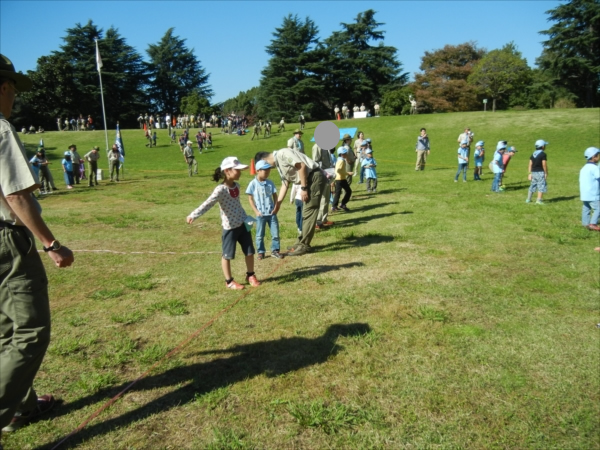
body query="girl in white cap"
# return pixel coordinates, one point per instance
(233, 219)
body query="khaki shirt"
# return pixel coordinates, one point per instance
(188, 152)
(296, 144)
(286, 160)
(92, 156)
(15, 172)
(322, 158)
(75, 157)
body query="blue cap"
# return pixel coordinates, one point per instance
(262, 165)
(368, 140)
(540, 143)
(480, 143)
(501, 145)
(67, 153)
(364, 144)
(342, 151)
(591, 152)
(369, 151)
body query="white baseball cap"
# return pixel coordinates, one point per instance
(231, 162)
(591, 152)
(540, 143)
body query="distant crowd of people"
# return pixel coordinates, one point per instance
(75, 124)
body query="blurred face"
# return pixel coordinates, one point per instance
(263, 174)
(423, 132)
(361, 135)
(8, 93)
(233, 174)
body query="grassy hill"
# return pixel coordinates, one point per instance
(434, 314)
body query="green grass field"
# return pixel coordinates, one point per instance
(435, 314)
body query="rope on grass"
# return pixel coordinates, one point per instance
(142, 253)
(178, 348)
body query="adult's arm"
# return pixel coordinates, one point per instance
(23, 206)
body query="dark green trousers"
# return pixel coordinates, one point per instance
(316, 185)
(24, 320)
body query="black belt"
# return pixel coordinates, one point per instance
(4, 225)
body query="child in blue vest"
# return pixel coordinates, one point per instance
(498, 166)
(463, 161)
(479, 158)
(368, 165)
(589, 189)
(67, 165)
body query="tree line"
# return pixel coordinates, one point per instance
(309, 75)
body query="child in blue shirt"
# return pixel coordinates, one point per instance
(589, 188)
(368, 164)
(498, 165)
(463, 161)
(479, 158)
(262, 195)
(67, 165)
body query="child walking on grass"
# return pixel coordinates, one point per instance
(233, 218)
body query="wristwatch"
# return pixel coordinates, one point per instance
(54, 245)
(304, 188)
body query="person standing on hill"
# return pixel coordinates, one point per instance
(323, 159)
(589, 189)
(295, 142)
(92, 158)
(538, 172)
(422, 149)
(24, 303)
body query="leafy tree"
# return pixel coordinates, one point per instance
(359, 71)
(500, 73)
(52, 95)
(175, 72)
(123, 73)
(246, 102)
(396, 102)
(195, 104)
(442, 86)
(290, 83)
(572, 51)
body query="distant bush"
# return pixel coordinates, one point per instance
(563, 103)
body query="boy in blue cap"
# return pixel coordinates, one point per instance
(589, 188)
(498, 165)
(538, 172)
(463, 160)
(368, 166)
(262, 195)
(479, 158)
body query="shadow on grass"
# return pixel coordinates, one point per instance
(517, 187)
(368, 207)
(354, 241)
(364, 219)
(239, 363)
(305, 272)
(561, 199)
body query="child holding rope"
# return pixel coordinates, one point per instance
(233, 218)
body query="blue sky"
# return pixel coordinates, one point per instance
(229, 38)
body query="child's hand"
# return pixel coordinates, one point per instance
(189, 219)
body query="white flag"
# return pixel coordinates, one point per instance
(98, 59)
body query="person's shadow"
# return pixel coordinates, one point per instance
(238, 363)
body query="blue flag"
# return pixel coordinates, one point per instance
(119, 143)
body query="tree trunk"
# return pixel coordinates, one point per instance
(493, 105)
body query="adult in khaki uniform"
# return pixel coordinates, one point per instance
(190, 159)
(350, 155)
(114, 161)
(297, 168)
(92, 158)
(76, 160)
(256, 131)
(24, 305)
(323, 159)
(295, 142)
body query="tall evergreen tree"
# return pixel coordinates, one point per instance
(359, 71)
(290, 83)
(123, 73)
(175, 72)
(572, 51)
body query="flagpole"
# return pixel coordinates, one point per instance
(99, 65)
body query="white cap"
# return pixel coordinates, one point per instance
(591, 152)
(231, 162)
(540, 143)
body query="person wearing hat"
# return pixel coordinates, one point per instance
(296, 168)
(466, 136)
(76, 161)
(538, 172)
(114, 160)
(295, 142)
(190, 159)
(92, 158)
(24, 307)
(262, 195)
(508, 154)
(323, 159)
(422, 149)
(368, 165)
(46, 176)
(234, 220)
(350, 156)
(341, 182)
(463, 161)
(479, 159)
(497, 165)
(589, 189)
(67, 165)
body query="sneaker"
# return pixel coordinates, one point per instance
(368, 191)
(328, 223)
(253, 280)
(69, 187)
(235, 285)
(501, 188)
(297, 251)
(345, 208)
(319, 227)
(456, 181)
(44, 404)
(334, 209)
(528, 201)
(261, 256)
(276, 254)
(593, 227)
(539, 202)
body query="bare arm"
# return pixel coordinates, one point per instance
(22, 204)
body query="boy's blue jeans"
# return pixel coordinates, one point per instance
(261, 223)
(496, 182)
(587, 209)
(462, 167)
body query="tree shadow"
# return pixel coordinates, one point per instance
(305, 272)
(239, 363)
